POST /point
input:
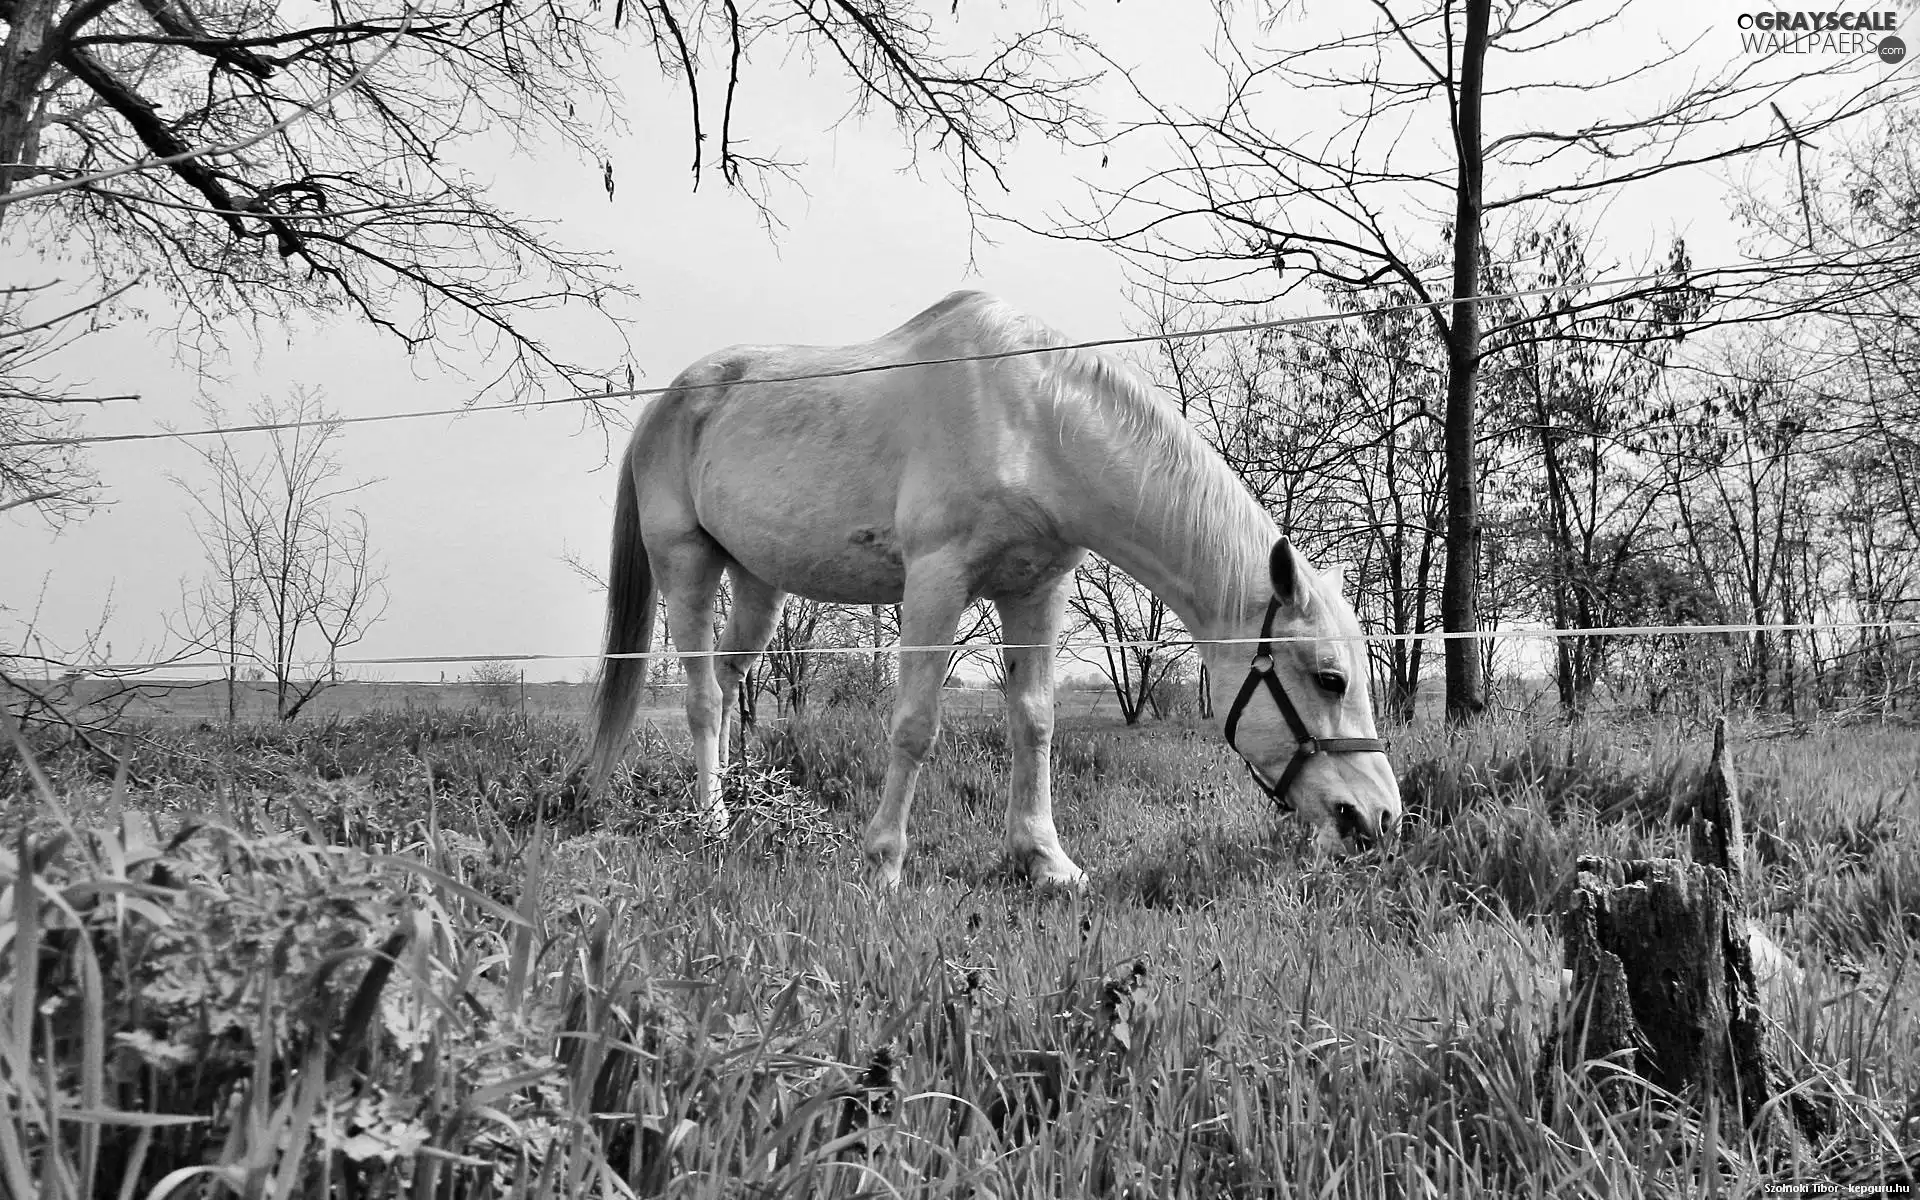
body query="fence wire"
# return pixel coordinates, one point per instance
(1690, 279)
(1064, 646)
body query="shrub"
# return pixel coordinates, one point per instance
(496, 683)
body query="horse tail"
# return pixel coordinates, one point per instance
(630, 613)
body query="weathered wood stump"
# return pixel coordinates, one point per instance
(1662, 976)
(1716, 828)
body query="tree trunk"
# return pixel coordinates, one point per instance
(233, 662)
(1459, 595)
(25, 58)
(1563, 672)
(1403, 680)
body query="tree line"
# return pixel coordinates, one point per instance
(1699, 443)
(1635, 472)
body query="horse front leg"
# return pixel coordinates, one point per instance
(936, 594)
(1030, 625)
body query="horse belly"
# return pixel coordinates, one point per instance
(820, 533)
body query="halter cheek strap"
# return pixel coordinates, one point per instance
(1261, 671)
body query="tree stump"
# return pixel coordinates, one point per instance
(1663, 978)
(1716, 829)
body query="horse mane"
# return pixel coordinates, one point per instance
(1213, 512)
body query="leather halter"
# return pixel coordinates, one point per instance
(1261, 670)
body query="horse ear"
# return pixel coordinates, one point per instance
(1284, 568)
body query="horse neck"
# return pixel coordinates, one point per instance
(1163, 507)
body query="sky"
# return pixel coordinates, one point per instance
(473, 517)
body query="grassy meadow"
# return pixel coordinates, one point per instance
(390, 954)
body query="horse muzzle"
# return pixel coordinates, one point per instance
(1363, 831)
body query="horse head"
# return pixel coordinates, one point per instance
(1299, 711)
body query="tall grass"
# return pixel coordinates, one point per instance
(392, 956)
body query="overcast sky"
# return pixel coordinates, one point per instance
(472, 516)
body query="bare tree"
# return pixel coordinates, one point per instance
(1846, 392)
(855, 678)
(1575, 400)
(1247, 203)
(1367, 407)
(316, 164)
(1738, 473)
(788, 669)
(251, 162)
(1336, 429)
(979, 624)
(1115, 609)
(80, 687)
(46, 473)
(291, 578)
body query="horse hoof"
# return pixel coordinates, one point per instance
(887, 857)
(1053, 870)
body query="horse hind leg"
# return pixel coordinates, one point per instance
(691, 580)
(750, 625)
(1032, 841)
(935, 596)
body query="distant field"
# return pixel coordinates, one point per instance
(176, 702)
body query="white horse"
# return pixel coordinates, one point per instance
(934, 485)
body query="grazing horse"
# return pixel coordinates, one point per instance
(936, 484)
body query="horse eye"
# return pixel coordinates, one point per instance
(1332, 681)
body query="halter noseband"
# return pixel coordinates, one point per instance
(1305, 744)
